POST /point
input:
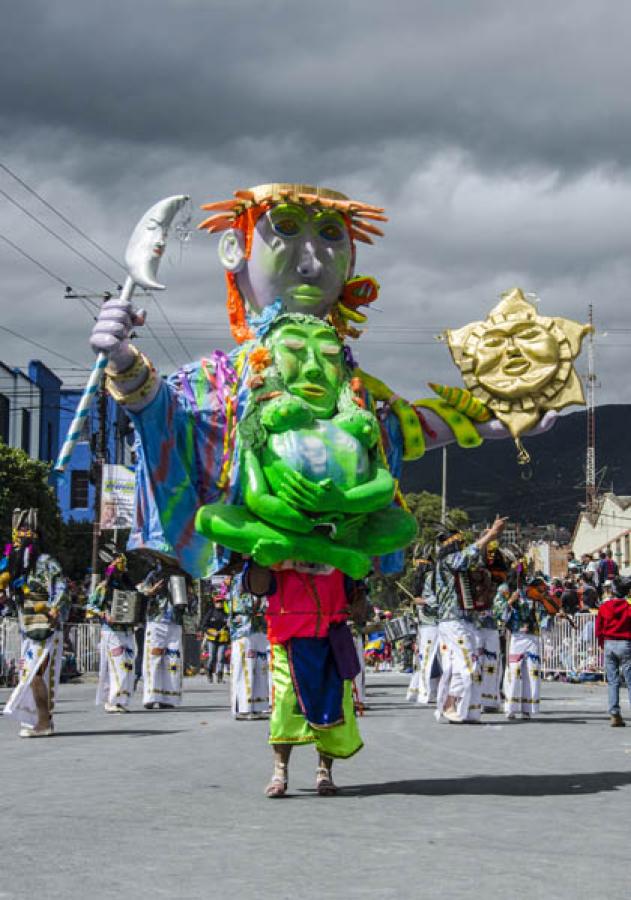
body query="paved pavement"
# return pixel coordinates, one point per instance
(169, 804)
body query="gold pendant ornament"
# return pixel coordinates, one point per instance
(520, 363)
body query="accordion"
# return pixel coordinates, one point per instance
(475, 589)
(126, 608)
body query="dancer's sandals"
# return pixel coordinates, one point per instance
(277, 786)
(325, 786)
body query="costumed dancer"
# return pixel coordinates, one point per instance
(216, 633)
(516, 607)
(37, 588)
(458, 698)
(498, 563)
(424, 683)
(166, 594)
(249, 657)
(313, 663)
(117, 647)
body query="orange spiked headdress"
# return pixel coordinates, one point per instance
(246, 207)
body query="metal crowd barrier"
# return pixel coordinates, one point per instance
(565, 650)
(572, 651)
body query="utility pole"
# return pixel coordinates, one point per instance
(590, 460)
(99, 458)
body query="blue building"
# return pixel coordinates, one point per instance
(35, 414)
(75, 490)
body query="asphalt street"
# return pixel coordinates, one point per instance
(170, 804)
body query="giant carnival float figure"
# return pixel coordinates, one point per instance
(285, 450)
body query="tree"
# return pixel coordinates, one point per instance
(385, 590)
(24, 483)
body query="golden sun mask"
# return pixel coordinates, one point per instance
(519, 363)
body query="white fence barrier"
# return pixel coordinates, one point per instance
(572, 651)
(566, 650)
(83, 638)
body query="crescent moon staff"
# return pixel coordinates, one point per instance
(144, 252)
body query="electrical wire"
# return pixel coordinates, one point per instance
(63, 218)
(33, 260)
(58, 237)
(38, 345)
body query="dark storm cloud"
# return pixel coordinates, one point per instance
(496, 133)
(514, 85)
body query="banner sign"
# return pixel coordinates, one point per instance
(117, 497)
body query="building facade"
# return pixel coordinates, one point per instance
(608, 527)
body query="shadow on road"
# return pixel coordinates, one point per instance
(130, 732)
(499, 785)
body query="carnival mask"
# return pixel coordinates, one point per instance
(518, 363)
(308, 357)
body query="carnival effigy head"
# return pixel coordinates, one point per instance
(294, 245)
(308, 356)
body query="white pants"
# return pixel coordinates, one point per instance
(162, 663)
(522, 678)
(116, 667)
(21, 703)
(490, 667)
(459, 658)
(359, 685)
(423, 688)
(249, 675)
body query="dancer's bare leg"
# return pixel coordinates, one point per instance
(40, 695)
(277, 786)
(325, 785)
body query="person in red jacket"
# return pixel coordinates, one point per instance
(613, 630)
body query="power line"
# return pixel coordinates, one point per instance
(40, 346)
(33, 260)
(58, 237)
(61, 215)
(185, 350)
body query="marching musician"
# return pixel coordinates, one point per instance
(118, 646)
(458, 698)
(519, 604)
(498, 562)
(166, 601)
(423, 686)
(36, 587)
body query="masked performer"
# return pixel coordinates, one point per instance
(216, 635)
(458, 698)
(517, 606)
(118, 645)
(423, 686)
(498, 563)
(38, 590)
(249, 657)
(166, 596)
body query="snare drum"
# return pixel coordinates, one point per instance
(126, 608)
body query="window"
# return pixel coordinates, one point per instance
(626, 549)
(5, 410)
(26, 430)
(79, 482)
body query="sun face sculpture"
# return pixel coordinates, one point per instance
(519, 363)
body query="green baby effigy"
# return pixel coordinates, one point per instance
(314, 485)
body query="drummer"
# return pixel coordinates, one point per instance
(165, 589)
(117, 647)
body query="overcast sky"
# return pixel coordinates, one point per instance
(496, 134)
